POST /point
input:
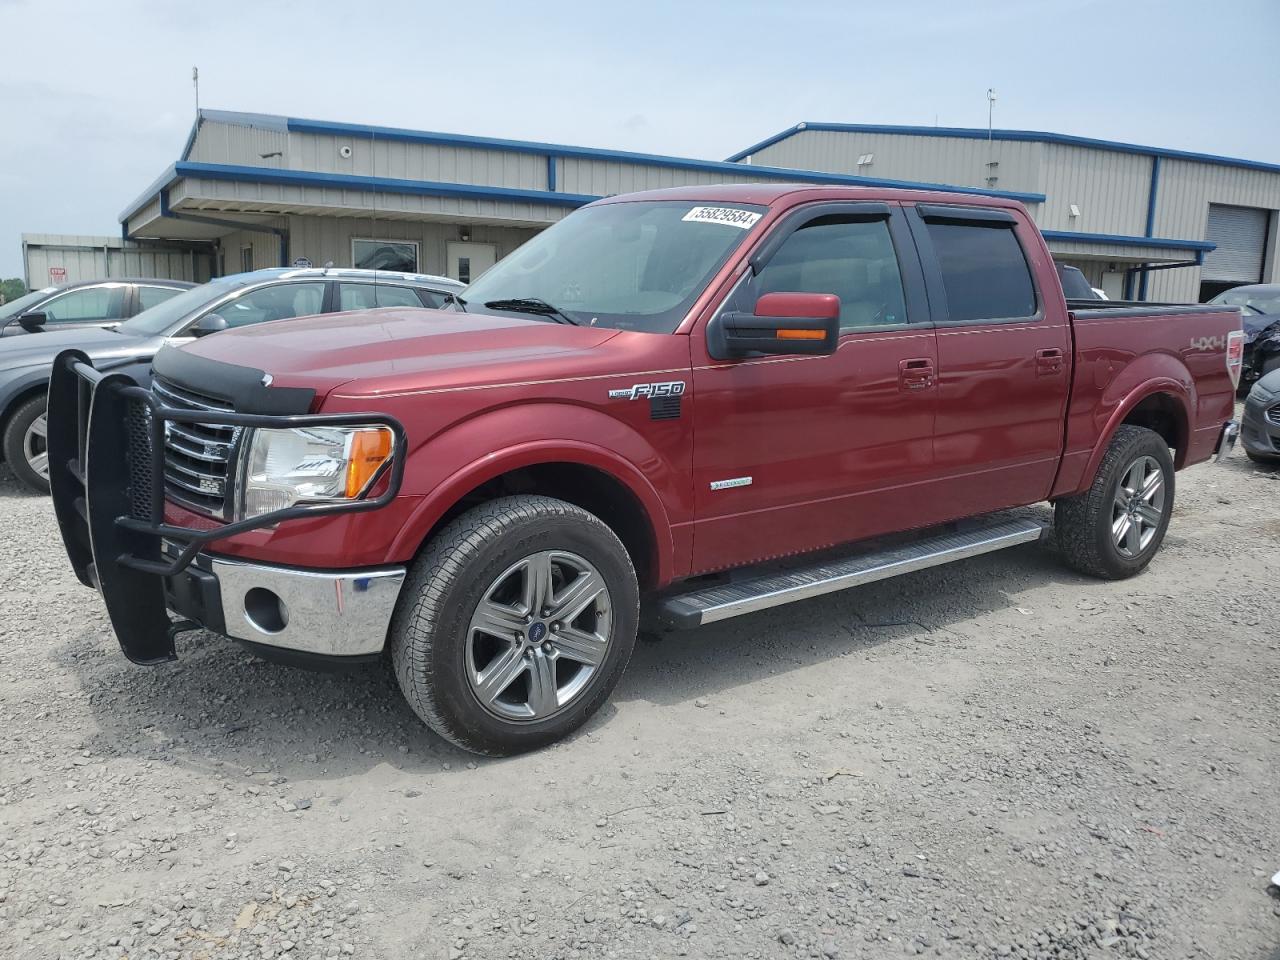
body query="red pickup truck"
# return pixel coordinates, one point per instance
(713, 400)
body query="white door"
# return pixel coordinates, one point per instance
(468, 260)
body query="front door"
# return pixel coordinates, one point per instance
(1004, 352)
(796, 453)
(467, 260)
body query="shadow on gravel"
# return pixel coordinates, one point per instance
(219, 704)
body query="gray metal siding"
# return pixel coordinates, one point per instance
(961, 163)
(1187, 189)
(1110, 189)
(601, 178)
(96, 258)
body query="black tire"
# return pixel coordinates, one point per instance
(1084, 522)
(432, 623)
(15, 433)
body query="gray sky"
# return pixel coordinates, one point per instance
(96, 98)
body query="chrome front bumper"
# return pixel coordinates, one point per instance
(333, 613)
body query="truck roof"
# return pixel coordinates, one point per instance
(770, 194)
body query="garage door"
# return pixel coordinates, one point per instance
(1241, 236)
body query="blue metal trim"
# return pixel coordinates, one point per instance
(1033, 136)
(623, 156)
(1126, 241)
(149, 194)
(1152, 193)
(342, 181)
(551, 172)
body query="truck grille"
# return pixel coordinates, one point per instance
(197, 456)
(1273, 414)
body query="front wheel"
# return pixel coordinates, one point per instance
(26, 446)
(1115, 528)
(515, 624)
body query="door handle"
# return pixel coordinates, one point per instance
(1049, 361)
(915, 374)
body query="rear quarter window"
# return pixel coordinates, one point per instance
(984, 272)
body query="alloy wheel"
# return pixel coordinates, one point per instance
(1138, 508)
(35, 446)
(538, 635)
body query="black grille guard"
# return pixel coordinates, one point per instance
(106, 475)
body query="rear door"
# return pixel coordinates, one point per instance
(794, 453)
(103, 304)
(1004, 351)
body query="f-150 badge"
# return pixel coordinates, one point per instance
(641, 391)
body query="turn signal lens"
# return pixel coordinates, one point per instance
(369, 450)
(802, 335)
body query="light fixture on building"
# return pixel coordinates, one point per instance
(464, 234)
(866, 159)
(1074, 211)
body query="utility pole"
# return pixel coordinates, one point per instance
(195, 82)
(993, 165)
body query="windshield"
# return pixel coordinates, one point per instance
(15, 307)
(1262, 299)
(634, 266)
(158, 320)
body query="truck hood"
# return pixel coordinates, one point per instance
(98, 343)
(390, 350)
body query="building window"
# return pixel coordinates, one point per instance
(398, 255)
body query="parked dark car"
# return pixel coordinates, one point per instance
(91, 303)
(1260, 425)
(224, 303)
(1260, 305)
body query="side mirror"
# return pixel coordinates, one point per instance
(34, 321)
(209, 323)
(783, 323)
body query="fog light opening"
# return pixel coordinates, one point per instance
(265, 611)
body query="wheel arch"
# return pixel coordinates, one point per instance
(1162, 405)
(583, 474)
(27, 389)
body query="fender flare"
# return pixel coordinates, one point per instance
(431, 508)
(37, 377)
(1135, 396)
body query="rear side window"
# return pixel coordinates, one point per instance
(854, 259)
(148, 297)
(281, 301)
(365, 296)
(984, 272)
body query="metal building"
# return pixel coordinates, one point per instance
(260, 190)
(255, 190)
(51, 259)
(1141, 222)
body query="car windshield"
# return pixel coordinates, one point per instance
(158, 320)
(631, 265)
(1265, 300)
(15, 307)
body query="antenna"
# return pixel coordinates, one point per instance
(993, 165)
(195, 82)
(991, 107)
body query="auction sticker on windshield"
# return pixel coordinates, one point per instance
(743, 219)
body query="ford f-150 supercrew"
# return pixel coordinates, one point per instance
(711, 399)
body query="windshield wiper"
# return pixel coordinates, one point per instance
(534, 306)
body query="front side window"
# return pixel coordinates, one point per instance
(631, 265)
(149, 297)
(280, 301)
(86, 305)
(398, 255)
(984, 272)
(854, 259)
(366, 296)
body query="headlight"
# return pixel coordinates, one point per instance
(310, 465)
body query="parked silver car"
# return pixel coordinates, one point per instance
(226, 302)
(90, 303)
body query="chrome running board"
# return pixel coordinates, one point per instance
(725, 600)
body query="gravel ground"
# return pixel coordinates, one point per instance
(996, 758)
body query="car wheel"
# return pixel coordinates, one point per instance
(1115, 528)
(515, 624)
(26, 446)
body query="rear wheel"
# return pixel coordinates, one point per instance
(1115, 528)
(515, 624)
(26, 448)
